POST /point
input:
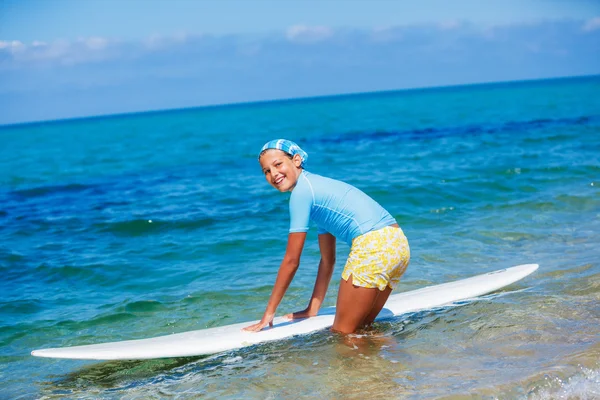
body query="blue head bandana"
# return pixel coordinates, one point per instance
(287, 146)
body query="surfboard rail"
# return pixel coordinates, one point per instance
(231, 337)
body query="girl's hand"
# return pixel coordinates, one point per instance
(306, 313)
(267, 319)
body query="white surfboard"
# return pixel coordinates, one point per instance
(216, 340)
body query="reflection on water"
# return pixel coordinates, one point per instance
(115, 375)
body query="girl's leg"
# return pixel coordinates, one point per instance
(354, 305)
(380, 257)
(379, 303)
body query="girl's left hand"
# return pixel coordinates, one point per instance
(267, 319)
(306, 313)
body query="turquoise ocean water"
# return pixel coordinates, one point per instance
(140, 225)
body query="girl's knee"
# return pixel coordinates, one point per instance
(342, 331)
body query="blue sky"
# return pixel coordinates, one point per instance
(73, 58)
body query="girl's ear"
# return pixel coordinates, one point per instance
(297, 160)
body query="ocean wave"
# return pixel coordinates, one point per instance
(29, 306)
(107, 319)
(139, 227)
(51, 273)
(219, 214)
(465, 130)
(41, 191)
(144, 306)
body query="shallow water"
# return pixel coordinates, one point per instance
(148, 224)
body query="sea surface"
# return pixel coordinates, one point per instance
(139, 225)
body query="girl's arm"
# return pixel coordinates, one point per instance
(286, 273)
(326, 265)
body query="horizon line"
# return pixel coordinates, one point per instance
(288, 100)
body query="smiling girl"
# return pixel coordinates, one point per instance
(379, 251)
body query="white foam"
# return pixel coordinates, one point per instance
(584, 385)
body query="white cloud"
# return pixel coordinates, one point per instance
(384, 34)
(95, 43)
(155, 42)
(180, 37)
(62, 51)
(46, 51)
(420, 38)
(303, 33)
(13, 45)
(449, 25)
(249, 50)
(592, 25)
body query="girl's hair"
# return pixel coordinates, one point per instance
(284, 152)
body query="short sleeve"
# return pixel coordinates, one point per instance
(301, 203)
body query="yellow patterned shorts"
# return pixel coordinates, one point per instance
(378, 258)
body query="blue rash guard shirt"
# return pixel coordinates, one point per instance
(336, 207)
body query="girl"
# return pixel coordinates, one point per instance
(379, 252)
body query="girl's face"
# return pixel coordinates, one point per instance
(280, 171)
